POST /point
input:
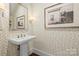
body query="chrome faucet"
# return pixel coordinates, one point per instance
(22, 35)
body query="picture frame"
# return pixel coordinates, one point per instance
(60, 15)
(21, 22)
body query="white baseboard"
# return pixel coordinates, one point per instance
(41, 53)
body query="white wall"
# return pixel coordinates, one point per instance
(56, 41)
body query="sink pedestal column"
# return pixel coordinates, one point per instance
(24, 49)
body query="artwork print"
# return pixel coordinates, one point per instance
(59, 15)
(21, 22)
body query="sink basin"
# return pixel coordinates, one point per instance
(21, 40)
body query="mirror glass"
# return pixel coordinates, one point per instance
(18, 17)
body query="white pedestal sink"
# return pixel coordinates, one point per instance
(22, 43)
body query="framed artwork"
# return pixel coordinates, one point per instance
(60, 15)
(21, 22)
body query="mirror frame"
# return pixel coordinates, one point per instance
(26, 19)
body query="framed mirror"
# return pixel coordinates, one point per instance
(18, 17)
